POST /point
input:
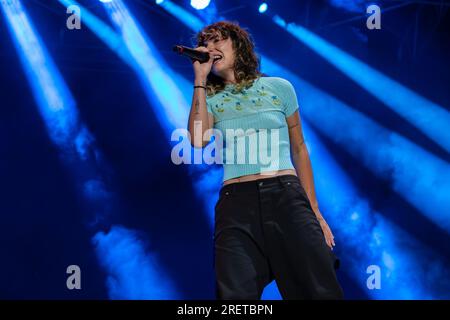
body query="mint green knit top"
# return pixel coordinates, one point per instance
(260, 142)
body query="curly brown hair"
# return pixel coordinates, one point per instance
(246, 63)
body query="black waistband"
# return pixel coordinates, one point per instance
(259, 183)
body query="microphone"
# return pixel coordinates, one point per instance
(192, 53)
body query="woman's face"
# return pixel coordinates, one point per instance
(224, 55)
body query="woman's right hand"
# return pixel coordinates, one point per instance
(202, 70)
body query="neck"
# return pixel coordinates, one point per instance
(229, 78)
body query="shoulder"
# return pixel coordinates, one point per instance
(276, 83)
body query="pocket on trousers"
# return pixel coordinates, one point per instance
(299, 192)
(296, 187)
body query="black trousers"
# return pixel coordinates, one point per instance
(264, 230)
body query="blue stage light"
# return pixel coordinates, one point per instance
(200, 4)
(102, 31)
(427, 116)
(132, 272)
(349, 5)
(141, 278)
(159, 1)
(159, 83)
(51, 93)
(263, 7)
(183, 15)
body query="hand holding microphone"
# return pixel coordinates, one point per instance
(201, 57)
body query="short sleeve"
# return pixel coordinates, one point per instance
(287, 94)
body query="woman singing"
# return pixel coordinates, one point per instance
(267, 220)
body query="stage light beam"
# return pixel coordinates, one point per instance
(162, 91)
(430, 118)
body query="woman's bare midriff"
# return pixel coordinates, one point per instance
(252, 177)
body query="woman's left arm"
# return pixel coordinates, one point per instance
(302, 164)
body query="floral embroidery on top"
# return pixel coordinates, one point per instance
(220, 109)
(226, 97)
(261, 92)
(258, 102)
(245, 95)
(256, 98)
(276, 101)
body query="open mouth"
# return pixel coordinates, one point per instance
(217, 58)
